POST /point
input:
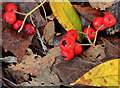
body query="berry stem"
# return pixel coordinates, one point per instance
(20, 13)
(30, 14)
(32, 20)
(84, 44)
(88, 37)
(97, 34)
(81, 32)
(23, 23)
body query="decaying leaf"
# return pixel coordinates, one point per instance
(88, 12)
(14, 42)
(105, 74)
(72, 70)
(49, 32)
(94, 54)
(67, 16)
(101, 5)
(37, 18)
(33, 65)
(111, 51)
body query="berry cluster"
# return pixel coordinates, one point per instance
(68, 45)
(100, 23)
(10, 17)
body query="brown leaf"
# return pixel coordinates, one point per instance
(101, 5)
(88, 12)
(111, 50)
(33, 65)
(14, 42)
(37, 18)
(69, 71)
(49, 32)
(94, 54)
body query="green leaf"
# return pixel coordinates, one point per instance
(67, 16)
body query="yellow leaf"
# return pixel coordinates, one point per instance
(105, 74)
(67, 16)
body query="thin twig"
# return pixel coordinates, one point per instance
(44, 12)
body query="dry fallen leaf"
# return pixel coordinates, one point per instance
(94, 54)
(14, 42)
(100, 5)
(88, 12)
(111, 51)
(105, 74)
(72, 70)
(38, 67)
(49, 32)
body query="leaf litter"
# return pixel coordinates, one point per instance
(51, 69)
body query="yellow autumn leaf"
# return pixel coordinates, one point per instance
(67, 16)
(105, 74)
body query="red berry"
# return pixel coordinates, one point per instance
(98, 21)
(77, 49)
(4, 50)
(18, 24)
(30, 29)
(70, 37)
(68, 55)
(10, 7)
(66, 44)
(73, 33)
(109, 20)
(90, 34)
(10, 17)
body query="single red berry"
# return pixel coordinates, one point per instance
(18, 24)
(70, 37)
(30, 29)
(109, 20)
(10, 17)
(98, 21)
(66, 44)
(91, 33)
(67, 55)
(77, 49)
(10, 7)
(73, 33)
